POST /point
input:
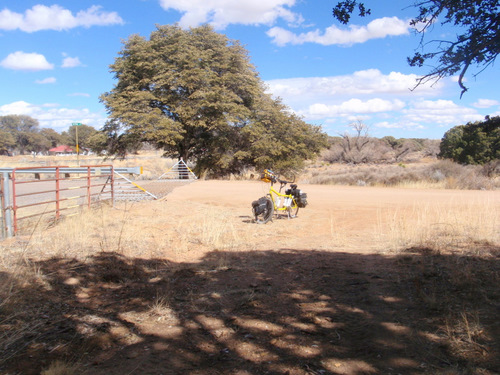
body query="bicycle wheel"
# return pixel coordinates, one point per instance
(292, 210)
(266, 214)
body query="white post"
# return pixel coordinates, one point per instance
(7, 206)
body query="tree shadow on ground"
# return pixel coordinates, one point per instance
(262, 312)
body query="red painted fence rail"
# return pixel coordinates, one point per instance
(52, 193)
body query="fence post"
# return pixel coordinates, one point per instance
(3, 211)
(58, 193)
(6, 206)
(14, 202)
(89, 185)
(113, 186)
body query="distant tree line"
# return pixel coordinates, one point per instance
(474, 143)
(21, 134)
(356, 146)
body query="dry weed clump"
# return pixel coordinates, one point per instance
(137, 229)
(216, 231)
(20, 283)
(76, 236)
(61, 368)
(459, 292)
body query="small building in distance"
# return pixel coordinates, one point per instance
(61, 150)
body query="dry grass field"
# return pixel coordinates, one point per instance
(366, 280)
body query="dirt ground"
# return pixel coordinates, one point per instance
(318, 294)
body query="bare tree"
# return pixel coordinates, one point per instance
(355, 146)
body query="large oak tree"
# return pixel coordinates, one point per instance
(195, 94)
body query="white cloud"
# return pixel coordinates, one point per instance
(71, 62)
(26, 61)
(52, 115)
(42, 17)
(379, 28)
(221, 13)
(395, 114)
(80, 94)
(440, 112)
(399, 125)
(352, 107)
(363, 82)
(15, 108)
(486, 103)
(386, 125)
(46, 80)
(383, 100)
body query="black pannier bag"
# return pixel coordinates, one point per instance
(292, 190)
(299, 196)
(259, 206)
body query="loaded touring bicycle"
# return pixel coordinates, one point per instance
(275, 202)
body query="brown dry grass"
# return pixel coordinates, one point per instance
(440, 228)
(427, 173)
(424, 174)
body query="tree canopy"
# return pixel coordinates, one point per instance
(477, 42)
(22, 133)
(114, 141)
(279, 139)
(85, 133)
(25, 132)
(474, 143)
(195, 94)
(7, 142)
(55, 139)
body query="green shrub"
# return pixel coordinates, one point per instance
(474, 143)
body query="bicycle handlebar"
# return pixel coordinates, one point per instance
(275, 178)
(284, 182)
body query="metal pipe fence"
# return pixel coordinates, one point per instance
(62, 189)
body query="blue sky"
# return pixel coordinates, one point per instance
(55, 57)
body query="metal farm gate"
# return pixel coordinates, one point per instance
(27, 194)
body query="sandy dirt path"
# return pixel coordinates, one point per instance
(357, 219)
